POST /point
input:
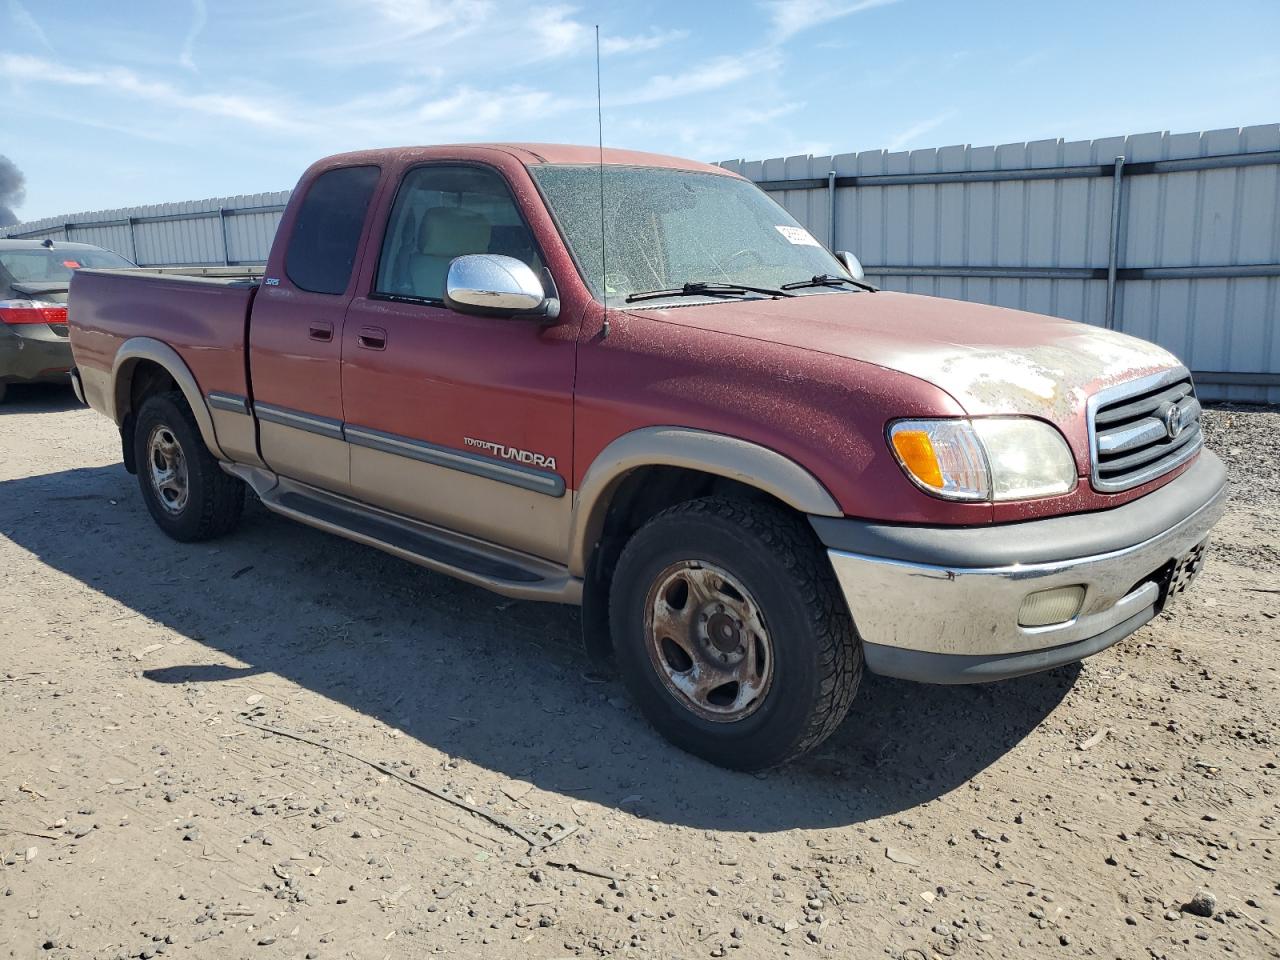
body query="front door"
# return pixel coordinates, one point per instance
(461, 421)
(295, 344)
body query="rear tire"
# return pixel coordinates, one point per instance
(4, 388)
(731, 632)
(190, 497)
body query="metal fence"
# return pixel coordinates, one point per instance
(1174, 238)
(228, 231)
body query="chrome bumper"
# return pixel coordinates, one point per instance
(954, 623)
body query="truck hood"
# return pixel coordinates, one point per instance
(992, 360)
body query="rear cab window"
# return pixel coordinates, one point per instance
(442, 212)
(326, 233)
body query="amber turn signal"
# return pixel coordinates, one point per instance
(915, 450)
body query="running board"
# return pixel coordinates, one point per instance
(488, 565)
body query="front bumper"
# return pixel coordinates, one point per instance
(942, 604)
(35, 355)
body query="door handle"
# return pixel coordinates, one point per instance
(372, 338)
(320, 330)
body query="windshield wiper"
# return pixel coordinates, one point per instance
(705, 289)
(827, 280)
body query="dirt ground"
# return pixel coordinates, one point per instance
(1074, 813)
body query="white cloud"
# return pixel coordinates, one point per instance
(421, 16)
(789, 17)
(199, 17)
(911, 135)
(21, 16)
(714, 75)
(119, 81)
(641, 42)
(556, 33)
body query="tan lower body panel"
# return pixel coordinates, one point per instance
(324, 462)
(499, 512)
(236, 436)
(98, 387)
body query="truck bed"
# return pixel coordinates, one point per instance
(201, 312)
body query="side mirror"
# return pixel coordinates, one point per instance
(851, 264)
(493, 285)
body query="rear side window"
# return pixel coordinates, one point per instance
(326, 234)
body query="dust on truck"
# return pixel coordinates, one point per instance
(756, 473)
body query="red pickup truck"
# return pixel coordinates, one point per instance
(634, 382)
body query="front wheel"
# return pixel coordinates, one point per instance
(731, 632)
(190, 497)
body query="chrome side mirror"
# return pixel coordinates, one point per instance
(493, 285)
(851, 264)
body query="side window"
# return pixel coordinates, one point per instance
(444, 212)
(326, 234)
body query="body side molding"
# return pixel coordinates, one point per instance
(288, 417)
(528, 478)
(714, 453)
(230, 402)
(137, 349)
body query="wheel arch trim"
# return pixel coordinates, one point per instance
(712, 453)
(138, 349)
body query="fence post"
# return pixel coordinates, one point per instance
(1113, 245)
(226, 249)
(831, 211)
(133, 243)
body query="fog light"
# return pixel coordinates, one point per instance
(1051, 606)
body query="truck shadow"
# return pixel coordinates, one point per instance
(497, 683)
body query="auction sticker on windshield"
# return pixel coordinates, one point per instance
(798, 235)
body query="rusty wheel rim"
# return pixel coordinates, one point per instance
(168, 469)
(707, 641)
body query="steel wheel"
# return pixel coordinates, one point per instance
(707, 640)
(168, 469)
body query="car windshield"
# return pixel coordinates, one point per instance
(666, 228)
(51, 265)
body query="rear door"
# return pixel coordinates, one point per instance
(462, 421)
(296, 330)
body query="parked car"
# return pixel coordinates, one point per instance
(34, 278)
(755, 472)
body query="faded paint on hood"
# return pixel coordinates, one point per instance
(992, 360)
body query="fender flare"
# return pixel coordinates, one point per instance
(714, 453)
(136, 349)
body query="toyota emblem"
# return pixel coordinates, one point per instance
(1173, 422)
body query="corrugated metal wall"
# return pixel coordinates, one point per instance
(940, 238)
(225, 230)
(1196, 255)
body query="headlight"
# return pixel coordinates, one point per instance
(992, 458)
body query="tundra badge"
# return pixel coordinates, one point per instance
(512, 453)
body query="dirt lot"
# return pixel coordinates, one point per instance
(1075, 813)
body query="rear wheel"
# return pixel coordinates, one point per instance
(732, 634)
(190, 497)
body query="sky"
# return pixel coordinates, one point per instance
(117, 104)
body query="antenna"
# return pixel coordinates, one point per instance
(604, 260)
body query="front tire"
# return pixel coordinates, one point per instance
(190, 497)
(732, 634)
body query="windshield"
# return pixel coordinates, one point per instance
(53, 265)
(665, 228)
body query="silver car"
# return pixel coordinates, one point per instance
(34, 277)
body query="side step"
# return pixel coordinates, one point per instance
(488, 565)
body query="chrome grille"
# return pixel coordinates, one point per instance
(1143, 429)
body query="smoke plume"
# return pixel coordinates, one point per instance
(12, 190)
